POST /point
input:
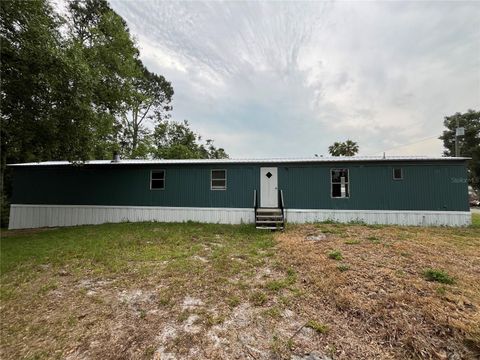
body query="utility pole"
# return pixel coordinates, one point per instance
(459, 131)
(457, 152)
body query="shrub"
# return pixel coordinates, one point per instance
(438, 276)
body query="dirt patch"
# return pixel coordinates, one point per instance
(190, 303)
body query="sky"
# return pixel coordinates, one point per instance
(287, 79)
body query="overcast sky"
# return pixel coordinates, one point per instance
(277, 79)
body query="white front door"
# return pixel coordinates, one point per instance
(268, 187)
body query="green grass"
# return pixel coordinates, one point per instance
(279, 284)
(352, 242)
(318, 327)
(113, 247)
(374, 239)
(438, 276)
(335, 255)
(475, 220)
(258, 298)
(273, 312)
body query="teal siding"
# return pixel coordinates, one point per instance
(130, 186)
(426, 186)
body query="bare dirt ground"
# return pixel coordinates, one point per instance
(216, 292)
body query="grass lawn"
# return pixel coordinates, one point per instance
(200, 291)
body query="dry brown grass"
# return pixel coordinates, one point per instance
(383, 294)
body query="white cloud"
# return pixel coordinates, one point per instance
(289, 79)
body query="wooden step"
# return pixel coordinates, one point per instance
(269, 210)
(275, 216)
(269, 218)
(280, 221)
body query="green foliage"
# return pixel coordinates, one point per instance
(149, 103)
(469, 144)
(346, 148)
(335, 255)
(438, 276)
(175, 140)
(73, 87)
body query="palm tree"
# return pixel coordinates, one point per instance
(347, 148)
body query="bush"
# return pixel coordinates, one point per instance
(438, 276)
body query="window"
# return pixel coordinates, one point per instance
(219, 180)
(157, 180)
(397, 174)
(340, 183)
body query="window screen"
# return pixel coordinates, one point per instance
(340, 183)
(219, 179)
(157, 180)
(397, 174)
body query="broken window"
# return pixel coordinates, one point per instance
(340, 183)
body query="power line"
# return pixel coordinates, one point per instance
(414, 142)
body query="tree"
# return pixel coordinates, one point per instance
(469, 144)
(73, 88)
(113, 64)
(149, 102)
(347, 148)
(30, 62)
(60, 91)
(174, 140)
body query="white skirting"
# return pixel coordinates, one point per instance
(385, 217)
(35, 216)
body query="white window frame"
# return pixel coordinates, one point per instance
(216, 188)
(347, 183)
(401, 172)
(164, 178)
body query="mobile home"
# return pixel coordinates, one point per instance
(267, 192)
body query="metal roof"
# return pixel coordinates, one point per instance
(248, 161)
